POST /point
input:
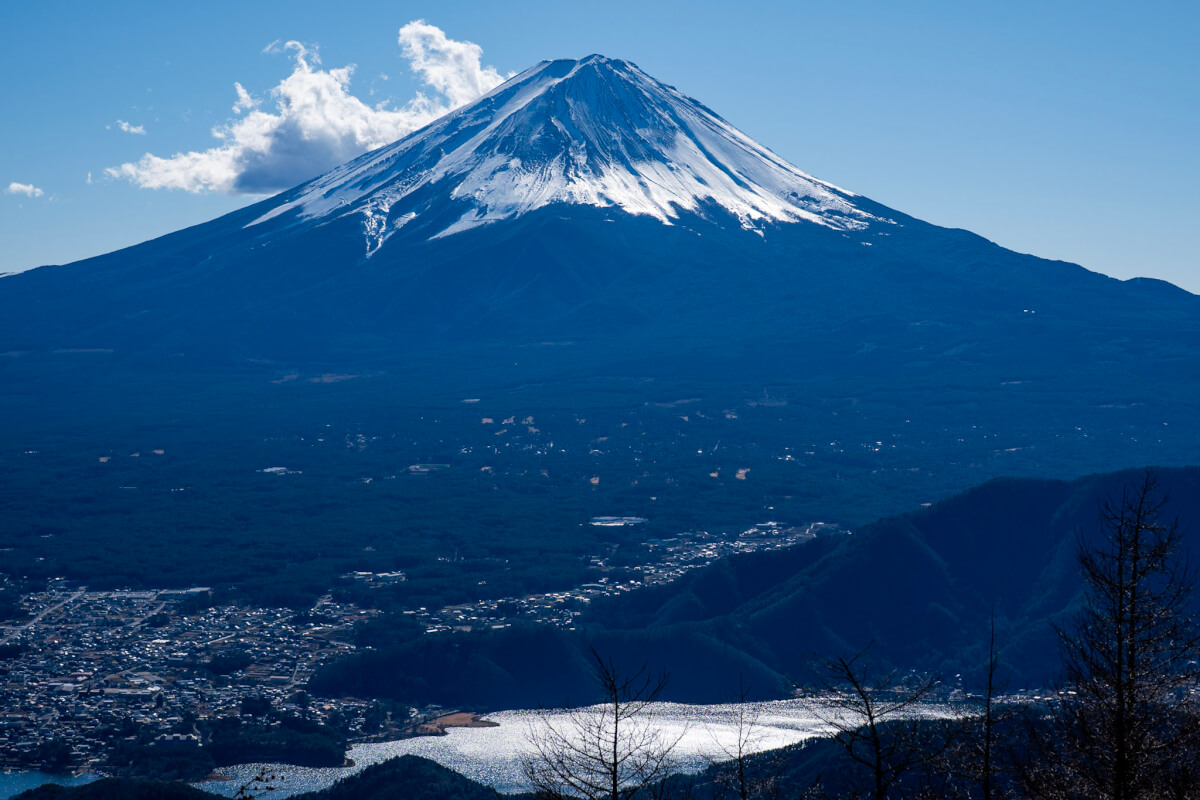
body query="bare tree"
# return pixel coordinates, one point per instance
(873, 720)
(1126, 724)
(735, 772)
(987, 743)
(974, 758)
(610, 751)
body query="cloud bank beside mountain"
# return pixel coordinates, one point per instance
(316, 123)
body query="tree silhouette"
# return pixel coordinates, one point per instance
(609, 751)
(1125, 724)
(734, 770)
(873, 718)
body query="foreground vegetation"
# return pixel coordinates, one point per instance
(1124, 724)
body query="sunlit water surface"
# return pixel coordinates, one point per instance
(492, 755)
(13, 782)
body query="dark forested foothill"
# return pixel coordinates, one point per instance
(118, 789)
(183, 761)
(405, 778)
(1004, 550)
(535, 665)
(264, 735)
(286, 739)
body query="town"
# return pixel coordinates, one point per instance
(154, 665)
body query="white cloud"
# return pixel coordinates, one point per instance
(128, 127)
(449, 67)
(27, 189)
(317, 124)
(245, 101)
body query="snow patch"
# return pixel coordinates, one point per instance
(597, 132)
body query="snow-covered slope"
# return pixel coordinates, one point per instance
(596, 132)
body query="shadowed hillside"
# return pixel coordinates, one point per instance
(918, 589)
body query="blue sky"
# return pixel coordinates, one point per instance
(1064, 129)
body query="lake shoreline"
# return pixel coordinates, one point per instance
(459, 719)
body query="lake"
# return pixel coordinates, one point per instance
(15, 782)
(492, 755)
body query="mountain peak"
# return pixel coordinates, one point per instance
(595, 131)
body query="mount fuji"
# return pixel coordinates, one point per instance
(596, 132)
(587, 247)
(582, 202)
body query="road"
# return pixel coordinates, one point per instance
(14, 632)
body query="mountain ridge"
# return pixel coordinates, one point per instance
(523, 217)
(597, 132)
(918, 590)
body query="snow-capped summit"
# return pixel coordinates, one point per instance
(596, 132)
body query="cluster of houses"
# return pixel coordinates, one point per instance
(85, 661)
(664, 560)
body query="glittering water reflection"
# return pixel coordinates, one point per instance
(492, 755)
